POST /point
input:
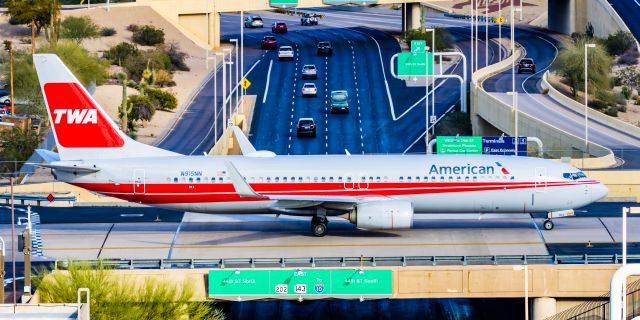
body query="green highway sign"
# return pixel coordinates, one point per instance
(415, 64)
(459, 145)
(283, 3)
(291, 284)
(418, 46)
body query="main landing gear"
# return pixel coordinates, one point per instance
(319, 226)
(548, 224)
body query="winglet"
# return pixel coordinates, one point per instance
(245, 146)
(243, 189)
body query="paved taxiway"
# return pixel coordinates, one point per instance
(265, 236)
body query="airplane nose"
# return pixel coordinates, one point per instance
(599, 191)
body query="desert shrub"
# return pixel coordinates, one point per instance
(158, 59)
(611, 111)
(78, 29)
(107, 32)
(161, 99)
(626, 92)
(443, 38)
(132, 27)
(638, 101)
(177, 57)
(141, 108)
(629, 57)
(620, 99)
(622, 107)
(619, 42)
(120, 52)
(598, 104)
(164, 78)
(148, 36)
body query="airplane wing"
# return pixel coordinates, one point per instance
(243, 189)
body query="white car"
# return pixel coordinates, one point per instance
(309, 71)
(309, 90)
(285, 53)
(5, 100)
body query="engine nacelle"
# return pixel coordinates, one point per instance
(383, 215)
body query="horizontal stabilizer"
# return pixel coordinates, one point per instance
(70, 167)
(48, 156)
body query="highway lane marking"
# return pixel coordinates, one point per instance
(266, 90)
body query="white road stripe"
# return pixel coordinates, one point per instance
(266, 90)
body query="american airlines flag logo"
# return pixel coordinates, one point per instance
(502, 168)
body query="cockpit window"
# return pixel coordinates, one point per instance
(574, 175)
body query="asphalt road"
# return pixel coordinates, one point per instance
(628, 11)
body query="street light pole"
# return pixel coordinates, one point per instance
(586, 96)
(433, 89)
(476, 43)
(224, 88)
(514, 98)
(471, 18)
(2, 268)
(244, 91)
(235, 45)
(13, 245)
(500, 29)
(486, 33)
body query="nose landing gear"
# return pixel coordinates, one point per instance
(548, 224)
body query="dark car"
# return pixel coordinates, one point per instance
(269, 42)
(309, 19)
(324, 48)
(279, 27)
(527, 65)
(306, 127)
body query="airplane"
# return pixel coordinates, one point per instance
(371, 191)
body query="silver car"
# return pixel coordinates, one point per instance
(309, 71)
(285, 53)
(309, 90)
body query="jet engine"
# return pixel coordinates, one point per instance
(382, 215)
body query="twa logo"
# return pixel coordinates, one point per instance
(76, 116)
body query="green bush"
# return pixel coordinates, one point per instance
(626, 92)
(570, 65)
(148, 36)
(118, 53)
(620, 99)
(164, 79)
(162, 100)
(622, 108)
(158, 58)
(107, 32)
(134, 65)
(638, 101)
(619, 42)
(177, 57)
(16, 145)
(612, 111)
(78, 29)
(598, 104)
(141, 108)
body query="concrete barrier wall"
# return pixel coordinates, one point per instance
(603, 18)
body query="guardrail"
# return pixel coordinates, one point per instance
(37, 198)
(353, 261)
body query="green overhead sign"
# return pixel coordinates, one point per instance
(291, 284)
(418, 46)
(459, 145)
(415, 64)
(283, 3)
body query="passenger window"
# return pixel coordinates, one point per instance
(377, 179)
(220, 179)
(466, 179)
(284, 179)
(330, 179)
(408, 179)
(268, 179)
(370, 179)
(450, 178)
(441, 178)
(401, 179)
(175, 180)
(385, 179)
(293, 179)
(459, 178)
(475, 179)
(277, 179)
(323, 179)
(198, 180)
(315, 179)
(190, 180)
(339, 179)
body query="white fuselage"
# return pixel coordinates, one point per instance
(432, 183)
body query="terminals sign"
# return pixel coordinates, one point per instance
(245, 83)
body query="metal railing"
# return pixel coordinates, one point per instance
(598, 308)
(352, 261)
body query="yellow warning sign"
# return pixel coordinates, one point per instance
(245, 83)
(499, 20)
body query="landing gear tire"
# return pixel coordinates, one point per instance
(548, 224)
(319, 226)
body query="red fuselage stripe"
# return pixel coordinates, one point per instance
(225, 192)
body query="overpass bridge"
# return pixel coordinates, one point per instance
(550, 284)
(201, 18)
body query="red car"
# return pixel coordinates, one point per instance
(269, 42)
(279, 27)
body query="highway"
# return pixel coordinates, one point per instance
(628, 11)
